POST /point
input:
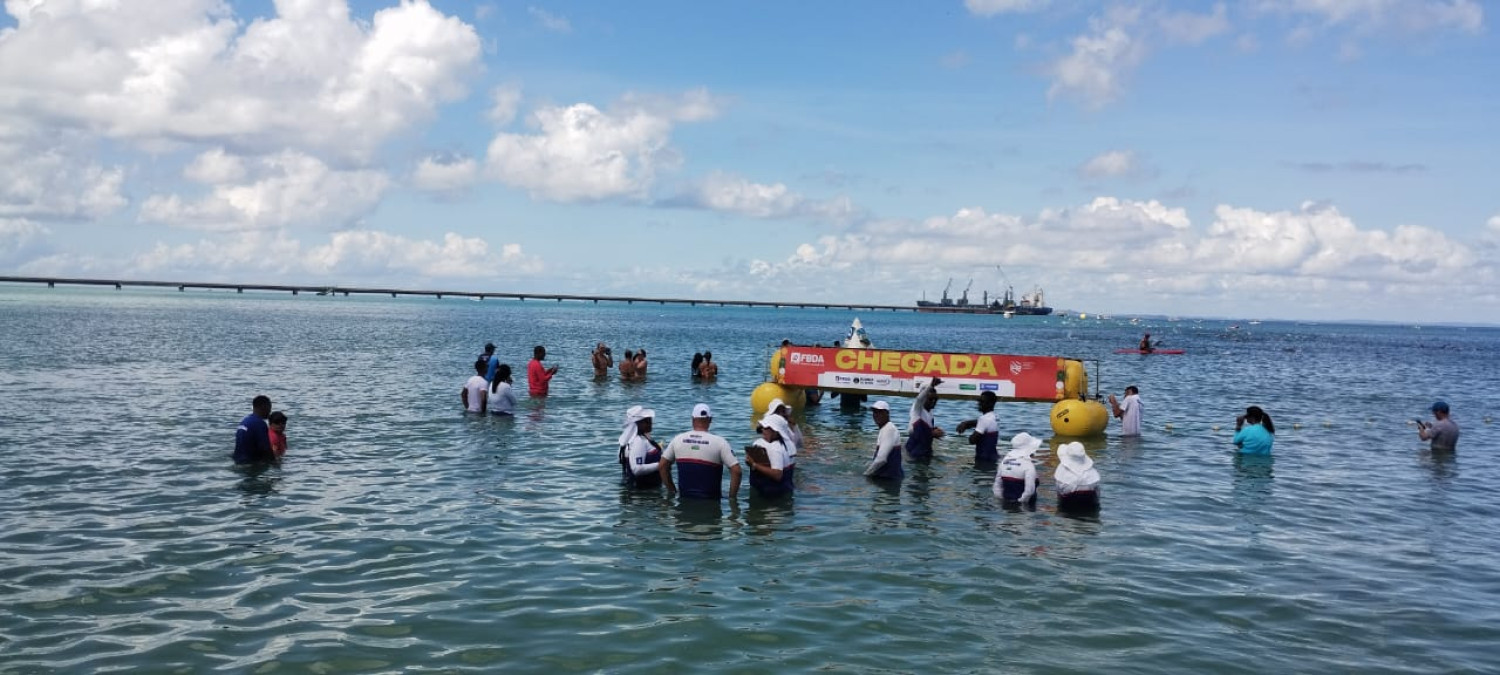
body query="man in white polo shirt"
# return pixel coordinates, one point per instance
(700, 457)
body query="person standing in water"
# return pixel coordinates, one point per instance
(603, 360)
(472, 393)
(1076, 478)
(923, 429)
(700, 457)
(627, 367)
(1128, 411)
(886, 464)
(640, 455)
(986, 436)
(708, 370)
(539, 377)
(502, 399)
(252, 440)
(1253, 432)
(1015, 478)
(1443, 432)
(772, 478)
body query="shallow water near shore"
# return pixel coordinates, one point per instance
(402, 534)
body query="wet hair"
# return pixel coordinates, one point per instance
(697, 359)
(708, 356)
(786, 343)
(502, 373)
(538, 351)
(629, 354)
(261, 402)
(277, 417)
(1254, 415)
(1132, 389)
(987, 401)
(481, 366)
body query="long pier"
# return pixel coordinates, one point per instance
(346, 291)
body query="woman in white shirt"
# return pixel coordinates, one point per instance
(1077, 480)
(640, 456)
(502, 395)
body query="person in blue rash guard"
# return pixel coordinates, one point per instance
(252, 440)
(640, 456)
(986, 436)
(773, 478)
(923, 429)
(1253, 432)
(700, 457)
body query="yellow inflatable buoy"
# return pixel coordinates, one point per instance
(776, 366)
(1077, 418)
(760, 399)
(1075, 379)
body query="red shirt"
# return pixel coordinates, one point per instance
(278, 442)
(537, 378)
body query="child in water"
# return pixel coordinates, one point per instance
(277, 427)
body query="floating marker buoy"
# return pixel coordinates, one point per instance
(794, 397)
(1168, 427)
(1327, 424)
(1486, 419)
(1296, 425)
(1216, 427)
(1072, 417)
(1410, 422)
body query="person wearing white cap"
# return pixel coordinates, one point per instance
(886, 464)
(1015, 480)
(986, 436)
(1076, 479)
(700, 458)
(774, 476)
(640, 456)
(792, 439)
(922, 428)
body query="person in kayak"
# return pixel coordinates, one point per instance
(1146, 347)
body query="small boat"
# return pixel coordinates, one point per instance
(1154, 351)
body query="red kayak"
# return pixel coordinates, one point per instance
(1154, 351)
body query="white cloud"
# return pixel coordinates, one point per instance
(1409, 16)
(582, 153)
(733, 194)
(1101, 60)
(553, 22)
(18, 238)
(1190, 28)
(445, 174)
(215, 166)
(55, 183)
(170, 71)
(504, 101)
(286, 188)
(993, 7)
(1112, 164)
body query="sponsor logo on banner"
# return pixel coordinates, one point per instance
(843, 379)
(1016, 367)
(967, 387)
(808, 359)
(989, 386)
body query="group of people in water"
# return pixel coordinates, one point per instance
(261, 436)
(632, 368)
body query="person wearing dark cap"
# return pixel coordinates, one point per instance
(700, 457)
(1443, 431)
(886, 464)
(491, 361)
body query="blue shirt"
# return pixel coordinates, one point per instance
(1253, 439)
(489, 375)
(252, 441)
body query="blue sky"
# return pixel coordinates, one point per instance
(1320, 159)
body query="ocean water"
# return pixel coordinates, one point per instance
(401, 534)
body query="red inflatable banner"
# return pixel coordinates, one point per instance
(880, 371)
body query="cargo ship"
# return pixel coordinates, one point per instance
(1030, 304)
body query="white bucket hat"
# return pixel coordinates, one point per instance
(1073, 456)
(1024, 444)
(632, 416)
(776, 404)
(777, 424)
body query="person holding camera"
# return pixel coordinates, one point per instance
(1254, 433)
(1443, 431)
(603, 361)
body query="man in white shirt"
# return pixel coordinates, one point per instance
(703, 457)
(986, 436)
(473, 393)
(923, 429)
(1129, 411)
(886, 464)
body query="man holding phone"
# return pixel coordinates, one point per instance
(1443, 431)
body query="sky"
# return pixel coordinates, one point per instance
(1293, 159)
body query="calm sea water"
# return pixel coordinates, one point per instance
(401, 534)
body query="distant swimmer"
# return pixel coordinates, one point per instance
(472, 393)
(627, 367)
(277, 427)
(1015, 478)
(1128, 411)
(1146, 347)
(502, 398)
(1443, 432)
(640, 455)
(772, 474)
(1254, 433)
(886, 463)
(697, 365)
(700, 457)
(986, 435)
(252, 440)
(539, 377)
(708, 369)
(923, 429)
(640, 364)
(1076, 479)
(603, 360)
